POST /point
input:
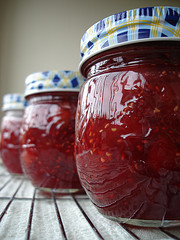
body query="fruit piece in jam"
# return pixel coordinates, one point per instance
(10, 146)
(47, 140)
(128, 142)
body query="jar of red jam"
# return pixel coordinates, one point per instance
(128, 116)
(13, 108)
(48, 130)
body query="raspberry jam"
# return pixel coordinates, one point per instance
(47, 141)
(10, 146)
(128, 133)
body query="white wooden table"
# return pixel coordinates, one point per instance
(27, 214)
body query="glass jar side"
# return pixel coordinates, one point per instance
(128, 133)
(10, 142)
(47, 141)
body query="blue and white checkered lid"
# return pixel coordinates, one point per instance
(13, 101)
(132, 26)
(53, 81)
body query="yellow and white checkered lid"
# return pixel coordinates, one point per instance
(53, 80)
(13, 101)
(132, 26)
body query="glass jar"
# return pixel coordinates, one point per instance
(47, 134)
(128, 118)
(13, 108)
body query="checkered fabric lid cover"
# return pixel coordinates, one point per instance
(53, 81)
(141, 24)
(13, 101)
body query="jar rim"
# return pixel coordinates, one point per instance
(170, 39)
(35, 91)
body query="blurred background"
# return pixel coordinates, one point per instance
(40, 35)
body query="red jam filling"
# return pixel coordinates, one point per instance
(128, 139)
(10, 146)
(47, 140)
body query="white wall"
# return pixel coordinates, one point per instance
(39, 35)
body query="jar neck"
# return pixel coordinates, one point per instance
(52, 96)
(134, 55)
(14, 113)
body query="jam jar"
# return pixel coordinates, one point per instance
(48, 130)
(13, 108)
(127, 129)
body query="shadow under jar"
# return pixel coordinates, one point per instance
(128, 132)
(47, 134)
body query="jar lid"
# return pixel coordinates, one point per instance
(132, 26)
(14, 101)
(53, 81)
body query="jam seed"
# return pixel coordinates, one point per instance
(177, 154)
(126, 109)
(91, 140)
(175, 108)
(119, 140)
(157, 88)
(91, 152)
(149, 86)
(113, 129)
(102, 159)
(101, 130)
(108, 154)
(136, 166)
(111, 196)
(131, 104)
(107, 125)
(139, 147)
(156, 110)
